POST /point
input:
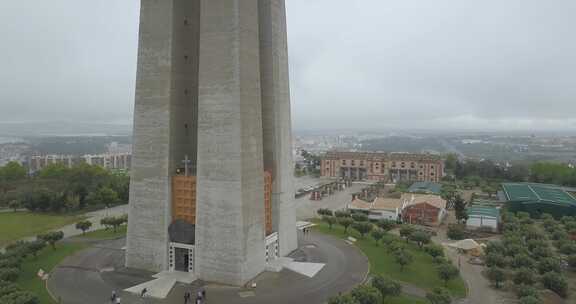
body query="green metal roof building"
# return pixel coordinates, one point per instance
(538, 199)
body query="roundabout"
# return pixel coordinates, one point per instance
(91, 275)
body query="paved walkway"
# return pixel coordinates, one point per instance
(91, 275)
(306, 208)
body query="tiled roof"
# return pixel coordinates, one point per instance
(381, 203)
(381, 156)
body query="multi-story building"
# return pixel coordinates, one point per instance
(387, 167)
(122, 161)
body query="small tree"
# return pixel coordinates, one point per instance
(362, 227)
(550, 264)
(324, 211)
(14, 205)
(456, 232)
(330, 220)
(496, 276)
(377, 235)
(434, 250)
(572, 261)
(387, 288)
(529, 300)
(345, 299)
(386, 225)
(365, 294)
(556, 283)
(420, 237)
(20, 297)
(403, 258)
(523, 260)
(359, 217)
(527, 291)
(525, 276)
(345, 222)
(342, 214)
(460, 209)
(84, 226)
(51, 238)
(36, 246)
(447, 272)
(9, 274)
(439, 296)
(495, 260)
(406, 231)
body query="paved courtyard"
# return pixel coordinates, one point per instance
(306, 208)
(91, 275)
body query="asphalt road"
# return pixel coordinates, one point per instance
(87, 277)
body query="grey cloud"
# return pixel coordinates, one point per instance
(492, 64)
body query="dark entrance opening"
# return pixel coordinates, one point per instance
(181, 259)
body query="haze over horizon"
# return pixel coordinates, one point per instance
(447, 64)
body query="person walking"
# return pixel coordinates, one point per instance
(113, 297)
(186, 297)
(198, 300)
(118, 300)
(203, 294)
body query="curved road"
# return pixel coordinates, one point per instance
(91, 275)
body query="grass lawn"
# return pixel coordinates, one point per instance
(105, 234)
(405, 299)
(47, 259)
(421, 272)
(17, 225)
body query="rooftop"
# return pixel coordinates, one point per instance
(483, 211)
(524, 192)
(381, 203)
(380, 156)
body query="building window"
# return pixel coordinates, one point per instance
(403, 165)
(361, 163)
(432, 174)
(412, 165)
(353, 162)
(394, 165)
(432, 167)
(344, 162)
(421, 173)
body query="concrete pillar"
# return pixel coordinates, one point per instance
(149, 211)
(276, 119)
(230, 196)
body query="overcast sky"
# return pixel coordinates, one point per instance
(442, 64)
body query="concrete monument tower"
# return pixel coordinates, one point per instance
(211, 190)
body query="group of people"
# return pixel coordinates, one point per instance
(306, 231)
(200, 297)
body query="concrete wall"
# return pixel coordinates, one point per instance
(149, 211)
(276, 119)
(230, 212)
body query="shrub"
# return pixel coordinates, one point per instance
(527, 291)
(362, 227)
(439, 296)
(568, 248)
(523, 260)
(525, 276)
(84, 226)
(403, 258)
(359, 217)
(330, 220)
(456, 232)
(324, 211)
(556, 283)
(386, 225)
(406, 231)
(345, 222)
(434, 250)
(496, 276)
(529, 300)
(9, 274)
(420, 237)
(342, 213)
(51, 237)
(387, 288)
(496, 260)
(550, 264)
(20, 297)
(447, 272)
(377, 235)
(365, 294)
